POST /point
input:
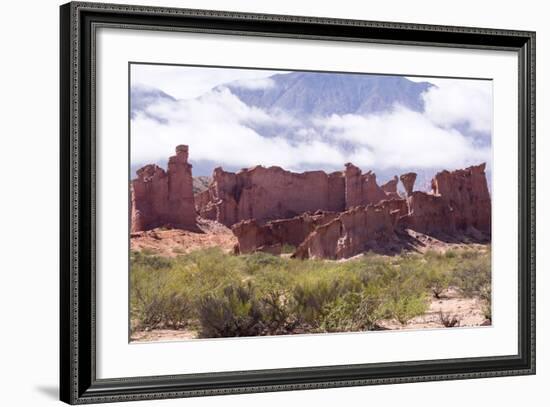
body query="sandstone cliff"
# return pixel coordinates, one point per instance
(273, 235)
(334, 215)
(272, 193)
(164, 198)
(354, 231)
(458, 207)
(459, 204)
(269, 193)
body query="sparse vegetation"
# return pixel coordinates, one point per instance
(222, 295)
(288, 249)
(448, 320)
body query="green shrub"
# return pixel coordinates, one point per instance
(149, 261)
(403, 291)
(473, 276)
(341, 315)
(353, 312)
(406, 307)
(438, 278)
(235, 313)
(288, 249)
(261, 294)
(258, 261)
(155, 297)
(312, 293)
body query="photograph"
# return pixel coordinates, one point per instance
(261, 201)
(275, 202)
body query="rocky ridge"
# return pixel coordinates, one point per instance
(335, 216)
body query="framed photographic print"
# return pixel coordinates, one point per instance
(255, 203)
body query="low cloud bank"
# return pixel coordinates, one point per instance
(219, 128)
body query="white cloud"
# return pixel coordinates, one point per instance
(215, 127)
(186, 82)
(403, 139)
(460, 101)
(219, 128)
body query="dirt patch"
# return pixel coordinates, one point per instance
(173, 242)
(157, 335)
(467, 311)
(421, 242)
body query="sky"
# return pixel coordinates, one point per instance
(454, 129)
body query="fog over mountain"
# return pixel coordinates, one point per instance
(142, 97)
(312, 120)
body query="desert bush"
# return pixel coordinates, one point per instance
(260, 294)
(155, 300)
(146, 251)
(403, 292)
(313, 291)
(354, 311)
(451, 254)
(342, 314)
(288, 248)
(259, 261)
(448, 320)
(208, 271)
(438, 277)
(235, 313)
(309, 298)
(149, 261)
(473, 276)
(406, 307)
(276, 314)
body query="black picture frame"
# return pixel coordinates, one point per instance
(78, 382)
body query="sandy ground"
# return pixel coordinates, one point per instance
(467, 311)
(173, 242)
(163, 335)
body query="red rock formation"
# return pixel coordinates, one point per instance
(270, 193)
(273, 193)
(390, 188)
(467, 193)
(361, 189)
(274, 234)
(408, 182)
(201, 199)
(161, 197)
(459, 203)
(271, 207)
(352, 232)
(253, 237)
(397, 204)
(428, 214)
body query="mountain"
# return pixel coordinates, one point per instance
(299, 99)
(319, 93)
(142, 97)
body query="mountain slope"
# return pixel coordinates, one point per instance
(318, 93)
(143, 97)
